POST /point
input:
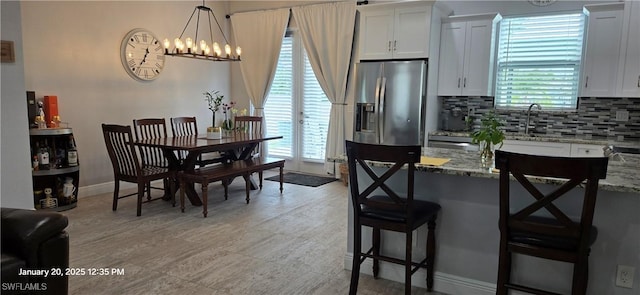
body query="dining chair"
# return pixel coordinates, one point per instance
(147, 129)
(151, 156)
(381, 207)
(127, 167)
(539, 225)
(251, 125)
(248, 124)
(183, 126)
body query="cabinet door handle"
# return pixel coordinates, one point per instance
(458, 82)
(464, 84)
(638, 80)
(586, 82)
(395, 43)
(389, 49)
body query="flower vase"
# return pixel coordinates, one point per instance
(214, 133)
(486, 156)
(227, 126)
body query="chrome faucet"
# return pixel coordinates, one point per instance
(609, 151)
(526, 126)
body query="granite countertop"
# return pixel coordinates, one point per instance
(582, 139)
(621, 176)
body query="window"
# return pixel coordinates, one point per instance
(295, 87)
(539, 61)
(279, 106)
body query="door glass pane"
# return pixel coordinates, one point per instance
(295, 85)
(316, 109)
(278, 108)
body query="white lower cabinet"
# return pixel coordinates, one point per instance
(586, 150)
(537, 148)
(553, 148)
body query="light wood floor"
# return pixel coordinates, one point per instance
(292, 243)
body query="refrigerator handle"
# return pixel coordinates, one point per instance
(383, 88)
(377, 107)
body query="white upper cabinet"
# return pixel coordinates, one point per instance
(466, 55)
(602, 52)
(394, 31)
(612, 55)
(630, 54)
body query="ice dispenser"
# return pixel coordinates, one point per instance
(366, 122)
(365, 117)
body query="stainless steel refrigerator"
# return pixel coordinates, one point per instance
(389, 102)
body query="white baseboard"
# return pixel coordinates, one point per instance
(442, 282)
(107, 188)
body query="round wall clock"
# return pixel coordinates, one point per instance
(142, 55)
(541, 2)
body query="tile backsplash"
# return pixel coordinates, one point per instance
(595, 117)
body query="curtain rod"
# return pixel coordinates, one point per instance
(229, 16)
(365, 2)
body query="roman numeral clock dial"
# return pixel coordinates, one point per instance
(142, 55)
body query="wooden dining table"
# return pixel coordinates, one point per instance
(238, 146)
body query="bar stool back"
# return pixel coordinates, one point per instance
(554, 236)
(381, 208)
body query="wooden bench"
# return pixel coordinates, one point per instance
(225, 173)
(260, 164)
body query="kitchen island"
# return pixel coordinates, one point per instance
(467, 233)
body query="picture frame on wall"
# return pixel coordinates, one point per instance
(7, 53)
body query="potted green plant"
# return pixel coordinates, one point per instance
(214, 99)
(487, 136)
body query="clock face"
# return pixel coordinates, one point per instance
(541, 2)
(142, 55)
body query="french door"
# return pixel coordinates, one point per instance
(297, 109)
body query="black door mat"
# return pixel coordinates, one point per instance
(303, 179)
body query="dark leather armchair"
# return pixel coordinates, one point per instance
(34, 241)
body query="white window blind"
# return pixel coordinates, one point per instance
(279, 105)
(295, 87)
(317, 109)
(539, 61)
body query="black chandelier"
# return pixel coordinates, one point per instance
(204, 50)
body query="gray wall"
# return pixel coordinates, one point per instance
(72, 50)
(15, 183)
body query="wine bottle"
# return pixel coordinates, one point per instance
(72, 153)
(43, 156)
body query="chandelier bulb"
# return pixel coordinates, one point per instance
(166, 43)
(238, 51)
(176, 43)
(216, 49)
(189, 43)
(203, 45)
(207, 50)
(227, 50)
(180, 46)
